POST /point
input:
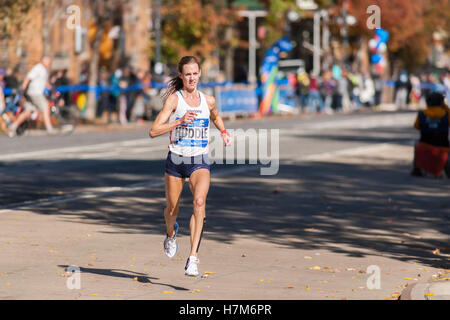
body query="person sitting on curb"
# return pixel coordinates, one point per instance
(433, 123)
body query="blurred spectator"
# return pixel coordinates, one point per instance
(415, 90)
(315, 102)
(378, 84)
(129, 80)
(367, 91)
(328, 88)
(10, 80)
(115, 93)
(433, 123)
(104, 101)
(62, 80)
(343, 89)
(402, 90)
(138, 108)
(302, 86)
(354, 90)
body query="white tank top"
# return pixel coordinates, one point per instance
(190, 139)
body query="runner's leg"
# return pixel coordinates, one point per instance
(199, 184)
(174, 187)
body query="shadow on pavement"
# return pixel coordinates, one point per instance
(354, 209)
(116, 273)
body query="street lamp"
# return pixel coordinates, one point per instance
(253, 44)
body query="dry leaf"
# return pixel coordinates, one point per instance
(437, 251)
(315, 268)
(335, 271)
(289, 287)
(429, 294)
(167, 292)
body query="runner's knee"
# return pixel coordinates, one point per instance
(199, 202)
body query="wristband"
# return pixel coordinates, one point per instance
(224, 131)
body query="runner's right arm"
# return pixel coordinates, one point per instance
(161, 126)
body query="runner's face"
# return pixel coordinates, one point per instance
(190, 76)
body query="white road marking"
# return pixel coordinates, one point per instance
(64, 151)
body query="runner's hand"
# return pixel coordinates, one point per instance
(226, 139)
(188, 117)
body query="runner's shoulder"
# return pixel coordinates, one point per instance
(172, 100)
(210, 100)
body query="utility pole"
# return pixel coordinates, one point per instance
(253, 44)
(316, 44)
(344, 30)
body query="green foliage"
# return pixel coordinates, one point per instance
(193, 27)
(13, 14)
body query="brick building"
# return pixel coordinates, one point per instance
(126, 38)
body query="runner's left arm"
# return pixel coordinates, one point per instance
(217, 120)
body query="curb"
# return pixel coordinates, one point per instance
(435, 290)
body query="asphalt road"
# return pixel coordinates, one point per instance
(38, 167)
(341, 200)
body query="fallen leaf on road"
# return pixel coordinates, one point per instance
(307, 257)
(196, 290)
(335, 271)
(429, 294)
(315, 268)
(289, 287)
(135, 278)
(167, 292)
(306, 288)
(408, 278)
(209, 272)
(91, 263)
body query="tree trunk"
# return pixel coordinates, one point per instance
(91, 107)
(229, 57)
(100, 14)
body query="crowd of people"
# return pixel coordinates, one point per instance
(125, 95)
(340, 89)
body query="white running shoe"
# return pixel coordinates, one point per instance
(191, 268)
(170, 244)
